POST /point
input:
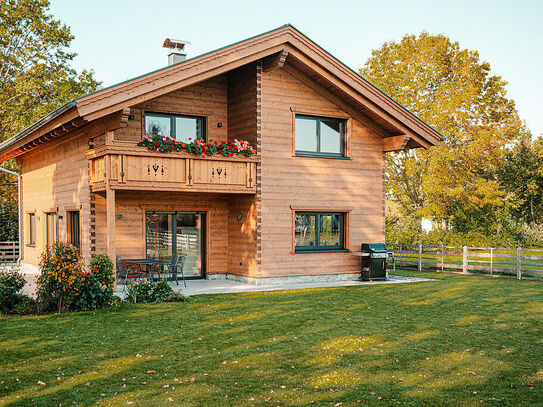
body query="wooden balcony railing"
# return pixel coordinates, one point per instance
(123, 166)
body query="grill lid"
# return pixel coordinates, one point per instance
(374, 248)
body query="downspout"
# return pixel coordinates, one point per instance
(18, 209)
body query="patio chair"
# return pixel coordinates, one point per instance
(176, 266)
(130, 272)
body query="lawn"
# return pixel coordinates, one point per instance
(459, 340)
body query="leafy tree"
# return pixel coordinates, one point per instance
(35, 78)
(35, 72)
(8, 221)
(453, 91)
(522, 178)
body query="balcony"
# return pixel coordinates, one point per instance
(125, 166)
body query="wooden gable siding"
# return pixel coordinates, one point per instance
(208, 99)
(242, 94)
(314, 183)
(55, 179)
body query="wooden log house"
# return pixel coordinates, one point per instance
(312, 193)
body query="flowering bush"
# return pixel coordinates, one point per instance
(61, 266)
(91, 293)
(102, 268)
(155, 142)
(143, 291)
(11, 282)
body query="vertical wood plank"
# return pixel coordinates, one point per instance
(110, 223)
(465, 259)
(519, 263)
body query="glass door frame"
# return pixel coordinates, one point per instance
(203, 243)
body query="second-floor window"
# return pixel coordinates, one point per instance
(179, 127)
(319, 136)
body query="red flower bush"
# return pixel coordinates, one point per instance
(155, 142)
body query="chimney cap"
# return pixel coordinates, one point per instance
(175, 44)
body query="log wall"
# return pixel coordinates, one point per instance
(314, 183)
(55, 179)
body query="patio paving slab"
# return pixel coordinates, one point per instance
(199, 287)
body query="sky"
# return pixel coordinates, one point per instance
(123, 39)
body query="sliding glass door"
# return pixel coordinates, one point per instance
(167, 232)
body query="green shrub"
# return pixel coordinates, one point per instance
(91, 293)
(103, 269)
(61, 266)
(24, 305)
(11, 282)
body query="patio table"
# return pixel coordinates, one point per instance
(150, 263)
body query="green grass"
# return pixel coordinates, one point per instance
(457, 341)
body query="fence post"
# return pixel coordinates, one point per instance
(519, 263)
(400, 255)
(491, 260)
(420, 256)
(442, 252)
(465, 259)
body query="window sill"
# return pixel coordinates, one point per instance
(309, 155)
(30, 245)
(297, 251)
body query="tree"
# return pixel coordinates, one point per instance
(35, 72)
(522, 178)
(453, 91)
(35, 79)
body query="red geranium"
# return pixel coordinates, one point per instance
(230, 154)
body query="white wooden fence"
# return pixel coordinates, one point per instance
(9, 252)
(518, 262)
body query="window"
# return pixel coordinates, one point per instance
(179, 127)
(31, 229)
(51, 227)
(74, 229)
(319, 231)
(319, 136)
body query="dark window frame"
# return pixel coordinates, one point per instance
(172, 117)
(31, 229)
(74, 236)
(317, 247)
(318, 153)
(203, 248)
(54, 225)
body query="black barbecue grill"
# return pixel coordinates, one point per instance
(374, 261)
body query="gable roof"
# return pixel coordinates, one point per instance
(303, 54)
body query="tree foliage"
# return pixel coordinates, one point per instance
(522, 177)
(35, 78)
(35, 72)
(453, 91)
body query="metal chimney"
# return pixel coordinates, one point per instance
(177, 50)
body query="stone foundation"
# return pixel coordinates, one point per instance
(320, 278)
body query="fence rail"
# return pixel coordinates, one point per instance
(518, 262)
(9, 252)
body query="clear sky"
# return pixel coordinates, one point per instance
(121, 39)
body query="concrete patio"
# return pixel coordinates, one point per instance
(199, 287)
